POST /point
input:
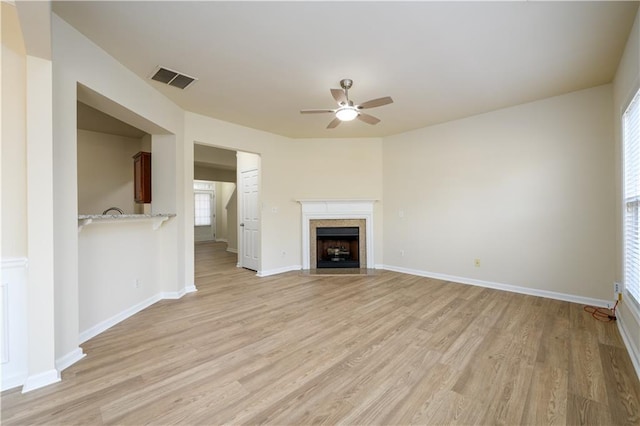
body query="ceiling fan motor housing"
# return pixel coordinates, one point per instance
(346, 83)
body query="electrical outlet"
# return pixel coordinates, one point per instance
(136, 283)
(284, 253)
(617, 291)
(402, 253)
(617, 288)
(476, 263)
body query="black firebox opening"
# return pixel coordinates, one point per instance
(338, 247)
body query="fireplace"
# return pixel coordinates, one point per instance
(318, 214)
(338, 247)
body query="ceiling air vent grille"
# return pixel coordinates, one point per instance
(172, 78)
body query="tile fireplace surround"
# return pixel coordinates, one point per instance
(339, 213)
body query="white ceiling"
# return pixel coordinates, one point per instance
(259, 63)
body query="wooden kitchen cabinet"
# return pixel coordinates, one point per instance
(142, 177)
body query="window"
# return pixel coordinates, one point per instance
(631, 194)
(202, 208)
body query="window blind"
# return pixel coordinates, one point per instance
(631, 142)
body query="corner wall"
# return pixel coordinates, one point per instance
(527, 190)
(78, 64)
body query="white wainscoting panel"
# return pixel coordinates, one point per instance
(13, 327)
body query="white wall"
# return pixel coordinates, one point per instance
(626, 84)
(13, 203)
(528, 190)
(105, 172)
(14, 162)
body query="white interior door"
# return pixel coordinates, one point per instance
(249, 227)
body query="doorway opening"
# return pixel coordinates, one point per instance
(214, 196)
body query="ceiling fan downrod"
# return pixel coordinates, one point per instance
(346, 84)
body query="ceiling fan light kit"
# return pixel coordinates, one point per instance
(347, 111)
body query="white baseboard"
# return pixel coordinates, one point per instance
(110, 322)
(41, 380)
(500, 286)
(232, 250)
(13, 380)
(634, 351)
(221, 240)
(279, 270)
(69, 359)
(172, 295)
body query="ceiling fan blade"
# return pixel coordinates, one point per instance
(339, 96)
(334, 123)
(315, 111)
(376, 102)
(370, 119)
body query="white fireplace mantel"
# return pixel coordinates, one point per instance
(336, 209)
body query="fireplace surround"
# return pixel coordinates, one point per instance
(337, 213)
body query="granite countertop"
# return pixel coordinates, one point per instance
(156, 219)
(124, 216)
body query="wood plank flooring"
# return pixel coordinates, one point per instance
(381, 349)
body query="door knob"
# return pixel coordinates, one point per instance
(242, 224)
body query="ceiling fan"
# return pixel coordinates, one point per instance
(347, 110)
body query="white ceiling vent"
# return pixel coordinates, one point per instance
(172, 78)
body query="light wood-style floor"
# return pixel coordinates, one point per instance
(382, 349)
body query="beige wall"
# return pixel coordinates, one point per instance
(224, 191)
(528, 190)
(112, 284)
(298, 169)
(232, 221)
(14, 166)
(215, 156)
(626, 84)
(105, 172)
(214, 174)
(77, 61)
